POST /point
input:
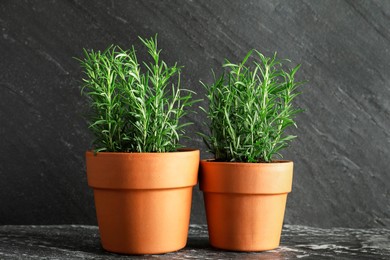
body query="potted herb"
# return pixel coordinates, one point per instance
(142, 181)
(245, 189)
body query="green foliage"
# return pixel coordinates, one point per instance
(134, 108)
(250, 108)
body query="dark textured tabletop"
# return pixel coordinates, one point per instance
(82, 242)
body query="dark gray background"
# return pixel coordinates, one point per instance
(342, 152)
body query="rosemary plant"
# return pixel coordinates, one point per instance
(250, 106)
(135, 107)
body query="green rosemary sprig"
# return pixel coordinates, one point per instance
(135, 107)
(250, 108)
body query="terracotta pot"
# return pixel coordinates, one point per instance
(245, 203)
(143, 200)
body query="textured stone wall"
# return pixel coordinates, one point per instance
(343, 148)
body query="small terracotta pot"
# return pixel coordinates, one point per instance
(245, 203)
(143, 200)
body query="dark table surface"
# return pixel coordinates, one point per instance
(82, 242)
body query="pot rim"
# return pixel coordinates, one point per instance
(246, 178)
(142, 171)
(179, 151)
(274, 162)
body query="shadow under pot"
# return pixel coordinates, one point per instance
(245, 203)
(143, 200)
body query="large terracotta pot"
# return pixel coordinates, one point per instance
(143, 200)
(245, 203)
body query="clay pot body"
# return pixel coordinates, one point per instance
(143, 200)
(245, 203)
